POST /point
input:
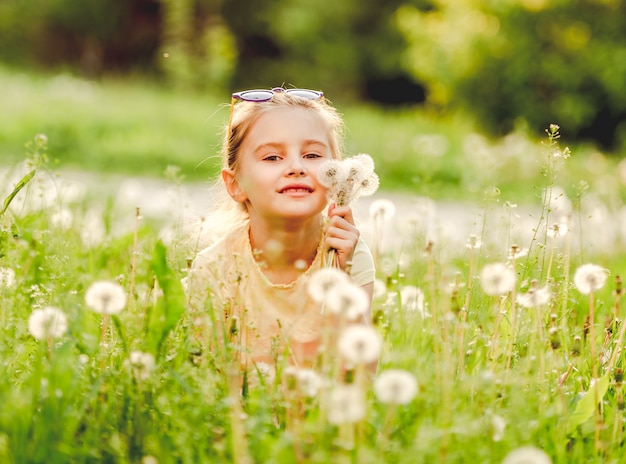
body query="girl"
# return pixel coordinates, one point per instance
(276, 227)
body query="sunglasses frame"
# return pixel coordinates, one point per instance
(267, 96)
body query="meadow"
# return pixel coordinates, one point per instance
(503, 348)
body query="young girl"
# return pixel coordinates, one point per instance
(276, 229)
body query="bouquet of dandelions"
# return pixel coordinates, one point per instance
(347, 180)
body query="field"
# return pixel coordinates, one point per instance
(506, 344)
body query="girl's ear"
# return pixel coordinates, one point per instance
(232, 186)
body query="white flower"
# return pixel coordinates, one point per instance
(536, 297)
(498, 424)
(589, 278)
(62, 219)
(7, 277)
(382, 210)
(395, 386)
(412, 299)
(527, 455)
(348, 179)
(346, 405)
(473, 242)
(348, 300)
(105, 297)
(558, 229)
(497, 279)
(309, 382)
(47, 322)
(359, 344)
(142, 364)
(323, 280)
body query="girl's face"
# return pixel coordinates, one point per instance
(278, 163)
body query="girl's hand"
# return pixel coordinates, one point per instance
(341, 234)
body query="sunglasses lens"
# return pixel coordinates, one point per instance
(304, 93)
(254, 95)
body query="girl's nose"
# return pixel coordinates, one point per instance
(296, 167)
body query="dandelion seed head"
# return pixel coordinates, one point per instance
(498, 425)
(142, 364)
(7, 277)
(62, 219)
(347, 299)
(308, 381)
(535, 297)
(395, 386)
(47, 322)
(412, 299)
(473, 242)
(367, 187)
(382, 210)
(589, 278)
(330, 173)
(558, 229)
(105, 297)
(527, 455)
(323, 280)
(359, 344)
(345, 405)
(497, 279)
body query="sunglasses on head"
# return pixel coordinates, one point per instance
(262, 95)
(266, 95)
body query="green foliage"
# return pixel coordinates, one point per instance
(543, 61)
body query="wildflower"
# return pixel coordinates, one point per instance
(323, 280)
(558, 229)
(516, 252)
(589, 278)
(498, 424)
(360, 344)
(142, 364)
(346, 405)
(382, 210)
(497, 279)
(47, 322)
(473, 242)
(380, 289)
(62, 219)
(308, 381)
(412, 299)
(535, 297)
(527, 455)
(395, 386)
(348, 300)
(348, 179)
(105, 297)
(7, 277)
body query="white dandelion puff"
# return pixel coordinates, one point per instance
(558, 229)
(527, 455)
(346, 405)
(395, 386)
(7, 277)
(142, 364)
(105, 297)
(62, 219)
(473, 242)
(308, 381)
(322, 281)
(535, 297)
(589, 278)
(382, 210)
(348, 300)
(497, 279)
(498, 426)
(359, 344)
(47, 322)
(412, 299)
(348, 179)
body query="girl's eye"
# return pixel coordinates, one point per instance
(271, 158)
(312, 155)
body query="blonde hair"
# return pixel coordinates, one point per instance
(226, 214)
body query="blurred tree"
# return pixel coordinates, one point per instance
(547, 61)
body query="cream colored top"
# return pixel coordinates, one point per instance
(271, 320)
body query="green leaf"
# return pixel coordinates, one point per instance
(170, 307)
(587, 404)
(20, 185)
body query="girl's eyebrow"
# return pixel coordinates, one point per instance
(277, 145)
